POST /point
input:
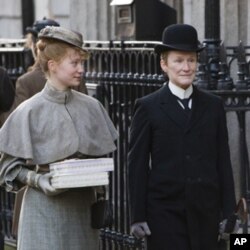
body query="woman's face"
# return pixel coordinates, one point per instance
(68, 72)
(180, 67)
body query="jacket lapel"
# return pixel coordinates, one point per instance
(174, 111)
(171, 108)
(198, 108)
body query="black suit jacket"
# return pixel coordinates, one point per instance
(179, 166)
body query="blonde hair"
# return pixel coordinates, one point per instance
(52, 49)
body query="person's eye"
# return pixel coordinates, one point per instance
(177, 60)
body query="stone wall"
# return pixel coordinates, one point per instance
(55, 9)
(96, 19)
(93, 18)
(10, 19)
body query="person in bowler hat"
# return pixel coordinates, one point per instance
(180, 176)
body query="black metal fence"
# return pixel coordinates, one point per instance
(15, 57)
(119, 72)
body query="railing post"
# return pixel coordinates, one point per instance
(212, 39)
(203, 74)
(242, 73)
(225, 82)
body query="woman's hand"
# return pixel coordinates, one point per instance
(44, 185)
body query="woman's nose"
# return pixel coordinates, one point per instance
(81, 68)
(186, 66)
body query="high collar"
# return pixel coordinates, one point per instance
(179, 92)
(59, 96)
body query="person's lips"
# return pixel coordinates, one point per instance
(78, 78)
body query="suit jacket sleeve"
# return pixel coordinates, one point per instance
(226, 180)
(21, 94)
(138, 162)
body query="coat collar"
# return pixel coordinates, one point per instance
(171, 108)
(54, 95)
(179, 92)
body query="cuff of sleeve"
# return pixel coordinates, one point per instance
(11, 185)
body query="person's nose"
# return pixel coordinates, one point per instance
(186, 66)
(81, 68)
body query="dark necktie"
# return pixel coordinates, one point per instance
(185, 102)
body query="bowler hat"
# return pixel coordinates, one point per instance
(40, 24)
(181, 37)
(64, 35)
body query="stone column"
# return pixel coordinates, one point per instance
(93, 18)
(11, 19)
(229, 22)
(53, 9)
(41, 9)
(194, 14)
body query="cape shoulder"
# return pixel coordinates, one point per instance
(46, 131)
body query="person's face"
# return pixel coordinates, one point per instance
(68, 72)
(180, 67)
(30, 43)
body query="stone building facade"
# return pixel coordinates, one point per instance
(96, 19)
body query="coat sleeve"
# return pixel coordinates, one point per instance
(138, 163)
(228, 200)
(7, 91)
(9, 169)
(22, 92)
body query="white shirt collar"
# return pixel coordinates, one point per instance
(179, 92)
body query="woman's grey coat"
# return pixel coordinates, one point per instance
(52, 126)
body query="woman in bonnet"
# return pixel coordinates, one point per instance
(57, 123)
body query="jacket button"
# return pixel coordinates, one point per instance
(188, 157)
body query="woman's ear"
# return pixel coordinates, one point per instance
(163, 65)
(51, 65)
